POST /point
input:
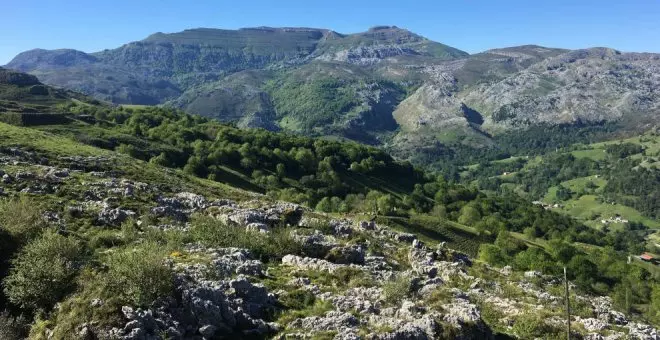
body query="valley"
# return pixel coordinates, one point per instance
(140, 221)
(300, 183)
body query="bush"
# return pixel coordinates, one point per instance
(533, 259)
(492, 254)
(21, 218)
(530, 326)
(273, 245)
(297, 299)
(140, 276)
(398, 289)
(44, 271)
(13, 327)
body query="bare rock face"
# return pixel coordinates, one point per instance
(331, 321)
(347, 254)
(207, 307)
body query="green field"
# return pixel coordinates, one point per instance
(588, 209)
(595, 154)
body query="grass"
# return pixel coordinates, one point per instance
(274, 245)
(50, 143)
(588, 209)
(134, 106)
(594, 154)
(317, 309)
(435, 230)
(580, 184)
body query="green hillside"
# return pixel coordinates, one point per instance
(607, 185)
(122, 222)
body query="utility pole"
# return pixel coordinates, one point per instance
(568, 307)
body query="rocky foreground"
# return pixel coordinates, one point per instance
(353, 279)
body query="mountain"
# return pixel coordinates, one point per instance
(147, 222)
(421, 100)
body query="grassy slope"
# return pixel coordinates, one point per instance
(55, 146)
(586, 207)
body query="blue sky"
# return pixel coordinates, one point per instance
(471, 25)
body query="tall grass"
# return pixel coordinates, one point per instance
(267, 247)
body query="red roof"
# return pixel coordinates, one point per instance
(646, 256)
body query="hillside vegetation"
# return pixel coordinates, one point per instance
(610, 186)
(149, 222)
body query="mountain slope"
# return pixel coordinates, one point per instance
(24, 93)
(388, 86)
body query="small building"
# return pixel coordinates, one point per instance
(646, 257)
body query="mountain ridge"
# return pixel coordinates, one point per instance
(322, 83)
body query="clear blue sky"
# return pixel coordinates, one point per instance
(471, 25)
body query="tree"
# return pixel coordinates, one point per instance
(386, 204)
(306, 159)
(195, 166)
(561, 251)
(492, 254)
(127, 149)
(583, 270)
(161, 160)
(324, 205)
(439, 210)
(280, 169)
(469, 215)
(533, 259)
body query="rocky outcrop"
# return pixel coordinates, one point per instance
(207, 306)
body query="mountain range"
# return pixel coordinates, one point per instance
(386, 86)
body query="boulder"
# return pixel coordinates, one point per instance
(350, 254)
(114, 217)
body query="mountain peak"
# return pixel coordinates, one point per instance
(384, 28)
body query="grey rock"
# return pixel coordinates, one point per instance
(208, 331)
(405, 237)
(341, 228)
(461, 312)
(23, 175)
(350, 254)
(114, 216)
(257, 227)
(331, 321)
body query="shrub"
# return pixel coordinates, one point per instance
(397, 289)
(21, 218)
(140, 276)
(44, 271)
(530, 326)
(297, 299)
(273, 245)
(13, 327)
(492, 254)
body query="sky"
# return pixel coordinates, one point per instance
(470, 25)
